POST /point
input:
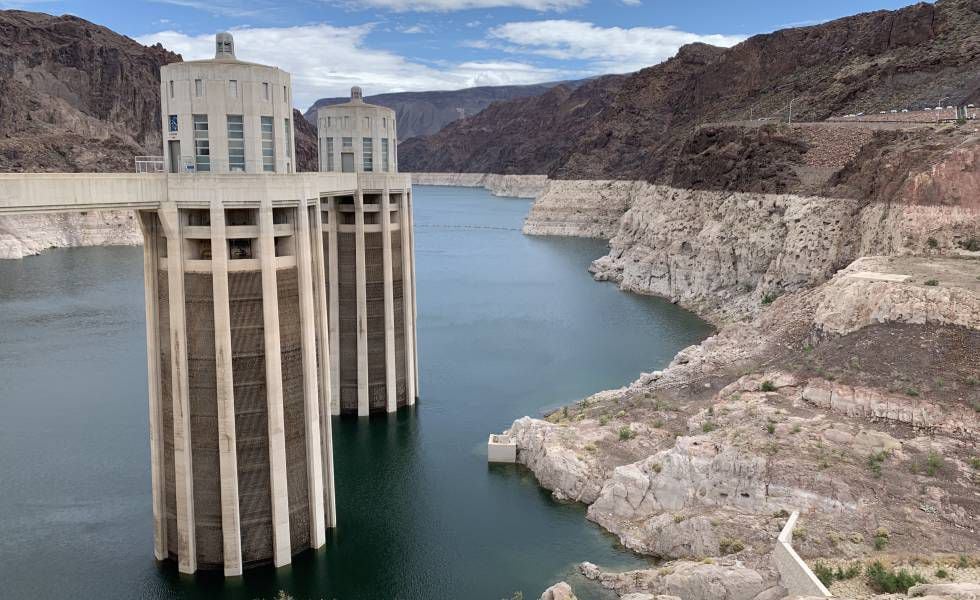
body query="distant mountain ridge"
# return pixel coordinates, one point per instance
(867, 62)
(425, 113)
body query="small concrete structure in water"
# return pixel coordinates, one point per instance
(501, 448)
(273, 299)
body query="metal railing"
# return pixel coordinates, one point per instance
(149, 164)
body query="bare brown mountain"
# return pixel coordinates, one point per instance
(75, 96)
(912, 57)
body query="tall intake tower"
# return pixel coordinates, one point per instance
(243, 313)
(370, 276)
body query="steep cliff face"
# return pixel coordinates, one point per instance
(76, 96)
(530, 136)
(306, 143)
(910, 57)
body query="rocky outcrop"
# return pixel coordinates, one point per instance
(545, 449)
(22, 236)
(514, 186)
(559, 591)
(590, 209)
(685, 579)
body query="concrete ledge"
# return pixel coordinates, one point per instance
(873, 276)
(794, 574)
(501, 448)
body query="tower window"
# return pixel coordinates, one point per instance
(198, 87)
(233, 88)
(367, 148)
(285, 94)
(347, 143)
(367, 123)
(328, 152)
(265, 90)
(268, 146)
(236, 143)
(202, 147)
(385, 166)
(288, 138)
(171, 88)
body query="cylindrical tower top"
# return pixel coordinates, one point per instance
(224, 45)
(225, 115)
(357, 137)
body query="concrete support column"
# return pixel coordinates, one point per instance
(183, 466)
(415, 310)
(360, 271)
(311, 388)
(333, 328)
(273, 385)
(326, 360)
(151, 263)
(408, 298)
(225, 388)
(390, 380)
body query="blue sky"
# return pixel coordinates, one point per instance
(399, 45)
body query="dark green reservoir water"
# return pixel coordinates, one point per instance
(509, 325)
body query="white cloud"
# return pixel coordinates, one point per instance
(326, 61)
(453, 5)
(606, 49)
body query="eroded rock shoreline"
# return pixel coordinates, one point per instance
(842, 383)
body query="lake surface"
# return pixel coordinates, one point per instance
(509, 325)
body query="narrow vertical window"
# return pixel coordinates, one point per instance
(384, 123)
(236, 143)
(198, 88)
(285, 95)
(329, 152)
(202, 147)
(265, 90)
(233, 88)
(346, 122)
(367, 123)
(171, 88)
(288, 132)
(367, 149)
(268, 146)
(385, 166)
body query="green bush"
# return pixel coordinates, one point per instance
(824, 573)
(604, 419)
(625, 433)
(767, 386)
(771, 428)
(931, 282)
(934, 462)
(708, 427)
(770, 298)
(933, 242)
(942, 573)
(972, 244)
(889, 581)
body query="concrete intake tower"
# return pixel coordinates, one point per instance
(274, 300)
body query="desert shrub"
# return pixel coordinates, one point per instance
(771, 428)
(942, 573)
(824, 573)
(972, 244)
(770, 298)
(767, 386)
(730, 546)
(875, 460)
(604, 419)
(657, 467)
(934, 462)
(975, 462)
(659, 423)
(931, 282)
(881, 540)
(890, 581)
(850, 572)
(625, 433)
(708, 427)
